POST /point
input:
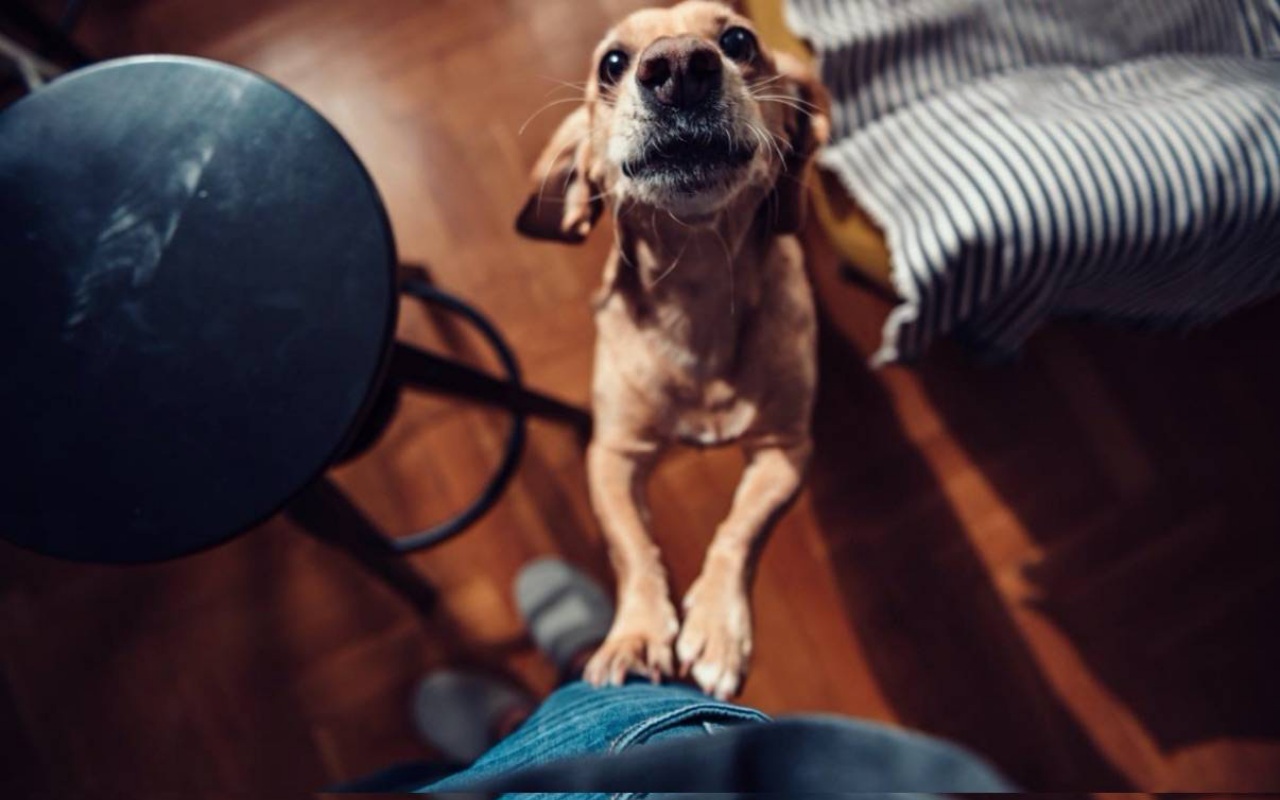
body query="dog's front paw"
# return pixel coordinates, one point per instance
(715, 642)
(639, 643)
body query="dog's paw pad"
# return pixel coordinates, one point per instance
(719, 680)
(715, 647)
(631, 651)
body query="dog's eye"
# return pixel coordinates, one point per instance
(612, 67)
(738, 44)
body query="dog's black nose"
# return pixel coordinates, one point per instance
(680, 72)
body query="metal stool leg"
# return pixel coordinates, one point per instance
(33, 69)
(53, 39)
(420, 369)
(325, 512)
(414, 368)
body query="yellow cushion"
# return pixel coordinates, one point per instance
(854, 235)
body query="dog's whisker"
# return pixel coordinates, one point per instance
(728, 263)
(580, 93)
(542, 187)
(733, 138)
(773, 93)
(570, 84)
(607, 193)
(579, 89)
(677, 220)
(674, 263)
(769, 146)
(791, 97)
(770, 142)
(552, 104)
(781, 145)
(760, 140)
(760, 84)
(789, 102)
(617, 239)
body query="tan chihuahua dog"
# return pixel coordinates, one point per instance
(698, 139)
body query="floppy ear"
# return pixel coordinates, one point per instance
(808, 129)
(564, 204)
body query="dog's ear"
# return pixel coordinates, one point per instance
(808, 129)
(564, 203)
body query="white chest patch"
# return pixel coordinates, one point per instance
(706, 427)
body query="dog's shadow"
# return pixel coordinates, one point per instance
(1136, 465)
(1158, 542)
(943, 647)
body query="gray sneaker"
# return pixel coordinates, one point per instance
(564, 610)
(459, 713)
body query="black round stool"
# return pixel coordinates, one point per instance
(198, 314)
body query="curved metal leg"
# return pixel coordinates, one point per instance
(325, 511)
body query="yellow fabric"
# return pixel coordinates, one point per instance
(852, 232)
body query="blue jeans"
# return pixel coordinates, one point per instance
(580, 720)
(590, 739)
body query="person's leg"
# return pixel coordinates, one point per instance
(584, 739)
(567, 615)
(579, 719)
(463, 714)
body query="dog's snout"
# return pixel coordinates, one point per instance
(680, 72)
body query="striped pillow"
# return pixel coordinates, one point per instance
(1027, 158)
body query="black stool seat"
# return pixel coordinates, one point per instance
(199, 298)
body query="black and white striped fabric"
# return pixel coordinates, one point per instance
(1028, 158)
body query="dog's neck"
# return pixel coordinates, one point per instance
(695, 264)
(692, 284)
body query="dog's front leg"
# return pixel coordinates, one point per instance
(715, 642)
(645, 627)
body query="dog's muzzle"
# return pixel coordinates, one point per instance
(689, 144)
(689, 155)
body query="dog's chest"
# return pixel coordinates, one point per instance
(721, 416)
(697, 360)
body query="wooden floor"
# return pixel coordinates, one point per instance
(1069, 563)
